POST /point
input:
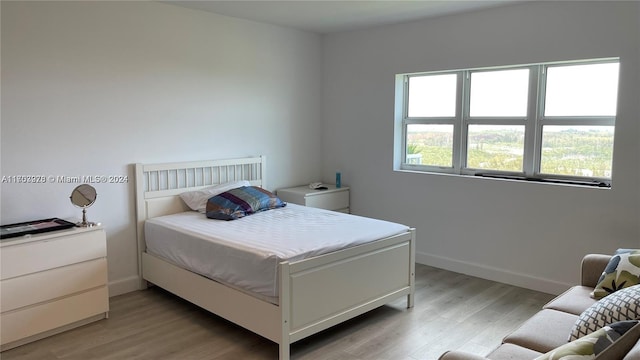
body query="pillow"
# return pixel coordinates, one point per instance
(622, 271)
(622, 305)
(197, 200)
(237, 203)
(589, 346)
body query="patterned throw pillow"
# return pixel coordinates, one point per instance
(197, 199)
(589, 346)
(619, 306)
(622, 271)
(240, 202)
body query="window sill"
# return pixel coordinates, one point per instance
(588, 183)
(597, 184)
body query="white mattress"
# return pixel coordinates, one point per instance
(245, 253)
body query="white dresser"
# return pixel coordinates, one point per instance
(51, 282)
(332, 198)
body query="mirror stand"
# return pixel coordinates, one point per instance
(84, 222)
(84, 196)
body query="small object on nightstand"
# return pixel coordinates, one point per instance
(317, 186)
(333, 198)
(338, 179)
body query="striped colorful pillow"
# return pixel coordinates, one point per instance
(240, 202)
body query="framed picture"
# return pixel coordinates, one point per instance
(34, 227)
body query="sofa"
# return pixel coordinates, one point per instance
(551, 327)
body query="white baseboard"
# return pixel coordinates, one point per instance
(492, 273)
(123, 286)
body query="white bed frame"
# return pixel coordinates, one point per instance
(314, 294)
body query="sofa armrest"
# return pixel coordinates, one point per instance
(592, 267)
(460, 355)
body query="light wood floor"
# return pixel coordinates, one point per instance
(452, 311)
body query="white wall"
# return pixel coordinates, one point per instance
(83, 81)
(527, 234)
(89, 88)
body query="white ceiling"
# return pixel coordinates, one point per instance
(327, 16)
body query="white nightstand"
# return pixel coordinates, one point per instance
(333, 198)
(51, 282)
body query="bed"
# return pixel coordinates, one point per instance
(307, 294)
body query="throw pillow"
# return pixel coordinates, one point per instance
(240, 202)
(197, 199)
(622, 271)
(619, 306)
(589, 346)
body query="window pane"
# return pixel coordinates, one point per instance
(432, 96)
(582, 90)
(495, 147)
(499, 93)
(577, 150)
(430, 145)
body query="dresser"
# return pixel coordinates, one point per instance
(332, 198)
(51, 282)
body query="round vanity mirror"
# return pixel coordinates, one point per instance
(84, 196)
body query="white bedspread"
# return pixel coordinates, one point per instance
(246, 252)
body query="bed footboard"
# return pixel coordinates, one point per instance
(315, 293)
(321, 292)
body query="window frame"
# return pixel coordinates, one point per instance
(533, 123)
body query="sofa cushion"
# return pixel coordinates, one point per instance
(544, 331)
(512, 352)
(591, 346)
(622, 271)
(622, 305)
(573, 301)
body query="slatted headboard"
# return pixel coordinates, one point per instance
(158, 186)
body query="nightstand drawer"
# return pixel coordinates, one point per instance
(52, 252)
(329, 201)
(38, 287)
(332, 198)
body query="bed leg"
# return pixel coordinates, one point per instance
(284, 351)
(412, 286)
(412, 269)
(285, 310)
(409, 301)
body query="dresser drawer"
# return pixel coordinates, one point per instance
(52, 252)
(329, 201)
(42, 286)
(19, 324)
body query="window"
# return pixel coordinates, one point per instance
(547, 122)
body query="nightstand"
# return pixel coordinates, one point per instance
(333, 198)
(52, 282)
